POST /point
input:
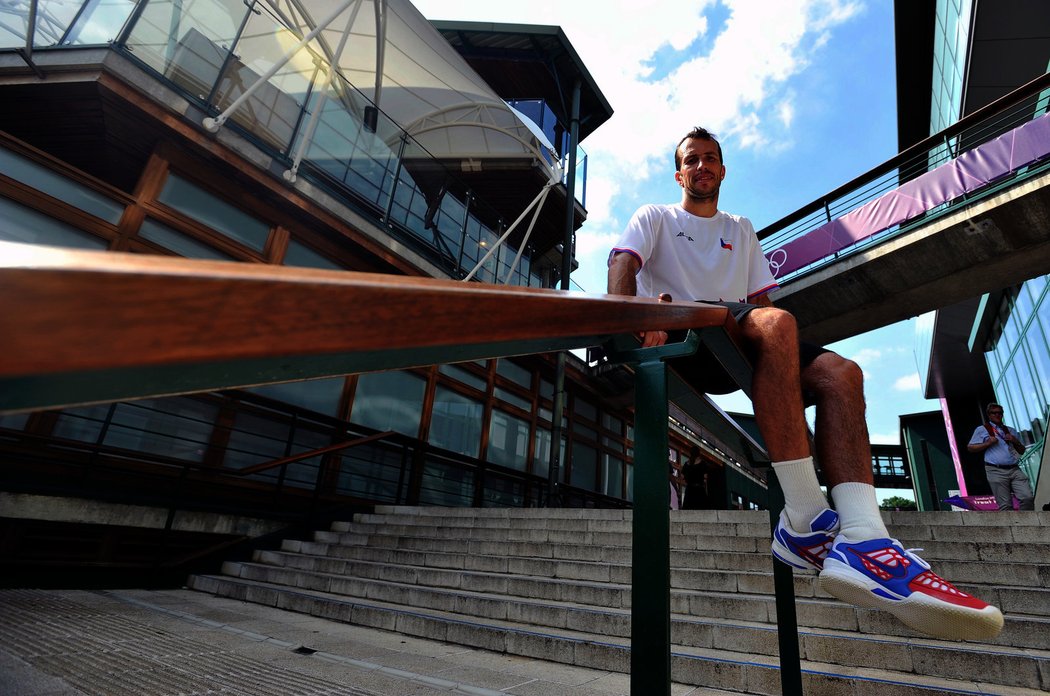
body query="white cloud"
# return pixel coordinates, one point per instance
(736, 86)
(908, 383)
(892, 438)
(866, 357)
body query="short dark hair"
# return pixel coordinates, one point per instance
(991, 406)
(698, 133)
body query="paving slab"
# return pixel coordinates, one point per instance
(113, 642)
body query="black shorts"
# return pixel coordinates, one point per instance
(703, 370)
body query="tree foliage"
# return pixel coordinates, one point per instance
(898, 503)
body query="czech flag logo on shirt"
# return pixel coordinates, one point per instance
(725, 245)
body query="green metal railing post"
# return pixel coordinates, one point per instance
(784, 592)
(651, 525)
(651, 553)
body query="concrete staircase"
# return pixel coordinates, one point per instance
(555, 585)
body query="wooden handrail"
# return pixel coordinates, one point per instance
(266, 466)
(86, 326)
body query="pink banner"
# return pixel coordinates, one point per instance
(972, 170)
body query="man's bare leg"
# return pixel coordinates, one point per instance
(776, 391)
(842, 443)
(777, 398)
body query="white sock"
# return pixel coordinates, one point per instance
(859, 514)
(803, 499)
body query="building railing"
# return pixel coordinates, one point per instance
(116, 452)
(557, 133)
(860, 213)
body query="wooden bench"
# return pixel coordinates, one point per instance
(86, 327)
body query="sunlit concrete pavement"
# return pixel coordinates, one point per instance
(139, 642)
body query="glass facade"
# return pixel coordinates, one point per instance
(951, 39)
(1019, 360)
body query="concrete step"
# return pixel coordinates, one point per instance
(561, 579)
(726, 597)
(969, 565)
(1005, 544)
(924, 666)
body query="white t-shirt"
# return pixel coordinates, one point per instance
(717, 259)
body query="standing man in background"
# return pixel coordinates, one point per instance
(1002, 449)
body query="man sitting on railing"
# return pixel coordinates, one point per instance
(693, 251)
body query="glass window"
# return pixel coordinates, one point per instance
(456, 422)
(512, 398)
(515, 373)
(584, 466)
(464, 376)
(27, 226)
(612, 476)
(320, 395)
(177, 242)
(389, 401)
(586, 409)
(508, 441)
(584, 431)
(612, 423)
(14, 421)
(547, 390)
(214, 212)
(57, 186)
(541, 454)
(300, 255)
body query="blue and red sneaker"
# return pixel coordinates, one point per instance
(806, 550)
(881, 574)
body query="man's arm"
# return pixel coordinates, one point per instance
(987, 441)
(623, 271)
(1014, 441)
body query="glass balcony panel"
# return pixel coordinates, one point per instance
(100, 23)
(187, 42)
(52, 19)
(275, 107)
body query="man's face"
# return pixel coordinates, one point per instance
(996, 415)
(701, 173)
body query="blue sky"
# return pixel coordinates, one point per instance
(800, 92)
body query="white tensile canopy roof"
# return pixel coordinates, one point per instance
(392, 54)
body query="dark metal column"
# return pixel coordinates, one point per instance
(554, 468)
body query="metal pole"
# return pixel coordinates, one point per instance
(566, 269)
(784, 594)
(650, 550)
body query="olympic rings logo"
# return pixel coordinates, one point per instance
(777, 259)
